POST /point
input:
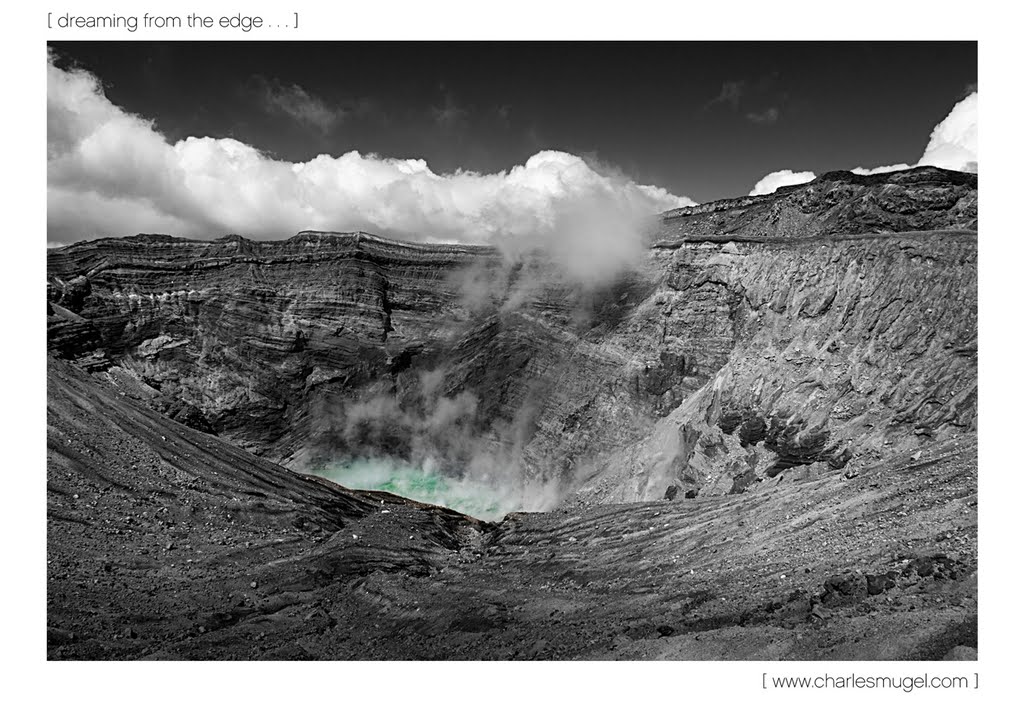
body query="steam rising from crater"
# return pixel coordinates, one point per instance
(431, 446)
(427, 483)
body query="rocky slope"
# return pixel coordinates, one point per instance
(164, 542)
(841, 350)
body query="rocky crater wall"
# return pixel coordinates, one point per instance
(823, 354)
(762, 339)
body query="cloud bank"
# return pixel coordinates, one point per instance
(953, 145)
(111, 173)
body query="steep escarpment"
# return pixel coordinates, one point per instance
(242, 329)
(833, 352)
(815, 329)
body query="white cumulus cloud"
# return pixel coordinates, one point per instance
(111, 173)
(780, 178)
(954, 142)
(953, 145)
(879, 169)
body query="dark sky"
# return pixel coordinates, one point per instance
(704, 120)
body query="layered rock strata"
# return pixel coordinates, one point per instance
(809, 330)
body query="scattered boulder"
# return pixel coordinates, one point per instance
(878, 583)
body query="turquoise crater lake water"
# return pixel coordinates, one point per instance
(417, 482)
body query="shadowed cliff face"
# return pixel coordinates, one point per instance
(814, 329)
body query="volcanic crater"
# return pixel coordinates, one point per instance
(757, 442)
